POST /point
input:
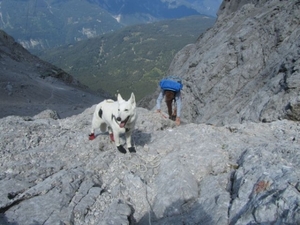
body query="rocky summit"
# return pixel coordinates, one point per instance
(246, 67)
(234, 160)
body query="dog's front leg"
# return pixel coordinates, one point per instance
(120, 147)
(128, 134)
(111, 134)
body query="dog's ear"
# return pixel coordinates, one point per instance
(132, 100)
(120, 98)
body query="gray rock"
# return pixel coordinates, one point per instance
(244, 68)
(193, 174)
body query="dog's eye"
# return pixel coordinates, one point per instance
(119, 110)
(126, 110)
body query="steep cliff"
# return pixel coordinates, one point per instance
(246, 67)
(29, 85)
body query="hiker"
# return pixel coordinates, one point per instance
(169, 97)
(170, 89)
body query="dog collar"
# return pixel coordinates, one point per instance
(113, 117)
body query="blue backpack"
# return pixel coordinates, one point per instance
(171, 83)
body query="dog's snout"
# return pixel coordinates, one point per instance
(118, 118)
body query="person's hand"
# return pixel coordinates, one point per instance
(158, 110)
(177, 121)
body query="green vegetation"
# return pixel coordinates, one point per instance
(132, 59)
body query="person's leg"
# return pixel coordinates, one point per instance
(169, 105)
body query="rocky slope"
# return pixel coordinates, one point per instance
(29, 85)
(239, 173)
(193, 174)
(247, 67)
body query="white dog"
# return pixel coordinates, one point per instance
(116, 117)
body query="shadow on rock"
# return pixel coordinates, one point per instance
(4, 221)
(141, 138)
(179, 212)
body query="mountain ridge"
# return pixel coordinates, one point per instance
(30, 85)
(45, 24)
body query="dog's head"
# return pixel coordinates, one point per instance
(126, 110)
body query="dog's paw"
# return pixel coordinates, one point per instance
(121, 149)
(92, 136)
(132, 149)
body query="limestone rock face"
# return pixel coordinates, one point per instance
(245, 68)
(192, 174)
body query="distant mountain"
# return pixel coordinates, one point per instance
(134, 58)
(43, 24)
(159, 9)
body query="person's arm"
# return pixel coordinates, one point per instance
(178, 110)
(178, 103)
(159, 100)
